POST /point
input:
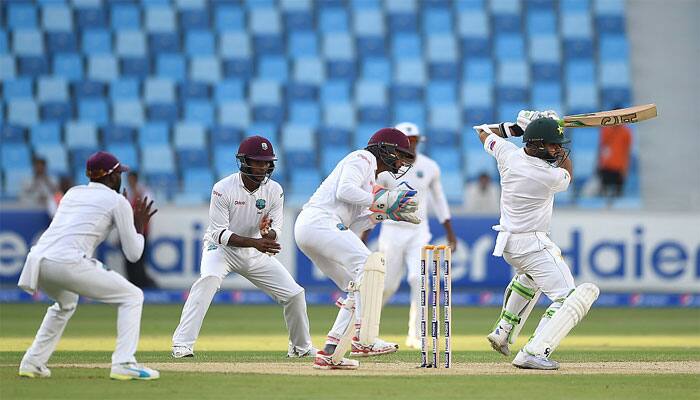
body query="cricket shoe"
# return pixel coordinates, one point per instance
(499, 340)
(131, 370)
(525, 360)
(293, 352)
(325, 361)
(182, 351)
(377, 348)
(412, 343)
(32, 371)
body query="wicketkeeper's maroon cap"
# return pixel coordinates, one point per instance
(102, 164)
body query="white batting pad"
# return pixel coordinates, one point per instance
(371, 294)
(569, 315)
(345, 340)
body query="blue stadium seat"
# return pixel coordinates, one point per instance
(477, 94)
(508, 111)
(583, 98)
(273, 68)
(238, 68)
(157, 159)
(374, 115)
(330, 156)
(60, 111)
(225, 159)
(61, 42)
(546, 96)
(15, 156)
(509, 46)
(505, 6)
(473, 23)
(21, 88)
(56, 17)
(264, 92)
(162, 183)
(545, 71)
(453, 185)
(117, 134)
(406, 45)
(442, 48)
(297, 91)
(205, 69)
(124, 89)
(615, 97)
(541, 22)
(194, 19)
(574, 5)
(298, 137)
(362, 135)
(609, 7)
(165, 112)
(302, 44)
(376, 69)
(153, 133)
(339, 115)
(268, 44)
(234, 45)
(299, 159)
(45, 133)
(368, 22)
(230, 89)
(410, 112)
(192, 158)
(96, 42)
(402, 21)
(199, 111)
(102, 68)
(12, 134)
(33, 66)
(125, 16)
(91, 89)
(199, 43)
(264, 20)
(580, 71)
(411, 72)
(304, 113)
(437, 20)
(93, 110)
(576, 25)
(513, 73)
(333, 20)
(4, 47)
(473, 115)
(478, 70)
(584, 139)
(298, 19)
(225, 135)
(478, 161)
(614, 74)
(56, 156)
(338, 46)
(27, 42)
(446, 116)
(160, 19)
(195, 90)
(613, 48)
(126, 154)
(14, 179)
(448, 158)
(303, 182)
(370, 46)
(544, 48)
(80, 134)
(229, 18)
(610, 23)
(171, 66)
(138, 67)
(131, 44)
(164, 42)
(91, 17)
(127, 112)
(341, 69)
(585, 162)
(198, 181)
(507, 22)
(22, 112)
(333, 91)
(21, 16)
(234, 113)
(158, 90)
(441, 93)
(369, 93)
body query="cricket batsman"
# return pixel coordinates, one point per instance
(401, 242)
(62, 265)
(245, 221)
(530, 177)
(347, 203)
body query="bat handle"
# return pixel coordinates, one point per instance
(560, 122)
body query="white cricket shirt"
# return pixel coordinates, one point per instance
(528, 185)
(234, 209)
(424, 177)
(84, 218)
(346, 194)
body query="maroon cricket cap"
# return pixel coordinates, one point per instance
(390, 136)
(256, 148)
(101, 164)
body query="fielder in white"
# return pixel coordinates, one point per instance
(400, 242)
(62, 266)
(245, 220)
(346, 204)
(530, 177)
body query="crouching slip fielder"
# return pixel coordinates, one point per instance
(530, 177)
(61, 265)
(400, 242)
(245, 220)
(347, 203)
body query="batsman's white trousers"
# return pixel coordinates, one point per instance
(265, 272)
(63, 283)
(534, 255)
(337, 252)
(401, 247)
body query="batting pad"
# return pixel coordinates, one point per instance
(345, 341)
(573, 310)
(371, 297)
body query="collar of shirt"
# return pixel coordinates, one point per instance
(98, 185)
(239, 178)
(535, 160)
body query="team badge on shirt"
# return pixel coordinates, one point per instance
(260, 203)
(419, 174)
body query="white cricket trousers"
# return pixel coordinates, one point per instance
(63, 283)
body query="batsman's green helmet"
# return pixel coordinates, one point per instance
(546, 130)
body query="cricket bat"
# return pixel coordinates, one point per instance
(613, 117)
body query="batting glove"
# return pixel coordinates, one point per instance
(525, 117)
(550, 114)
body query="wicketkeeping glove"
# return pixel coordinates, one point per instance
(378, 217)
(398, 205)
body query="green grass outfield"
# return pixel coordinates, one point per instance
(610, 355)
